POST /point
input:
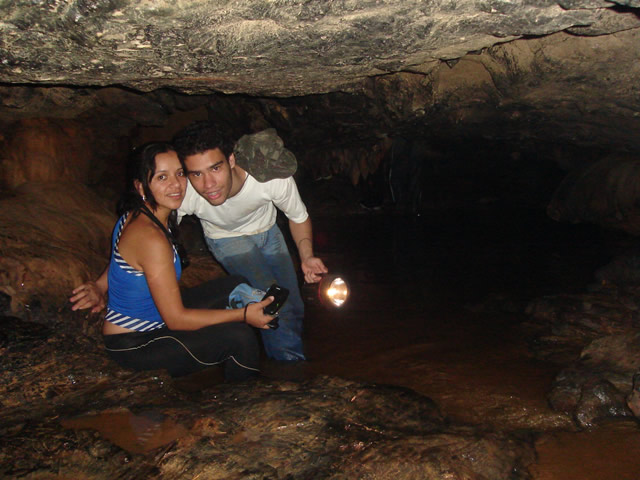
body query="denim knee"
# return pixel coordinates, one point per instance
(244, 294)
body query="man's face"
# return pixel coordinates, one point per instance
(210, 174)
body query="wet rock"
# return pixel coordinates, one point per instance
(599, 401)
(633, 399)
(321, 428)
(599, 384)
(595, 337)
(458, 455)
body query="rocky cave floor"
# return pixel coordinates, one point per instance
(68, 412)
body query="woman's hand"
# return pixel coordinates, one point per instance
(255, 315)
(88, 295)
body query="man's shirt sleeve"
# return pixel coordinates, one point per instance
(188, 204)
(285, 196)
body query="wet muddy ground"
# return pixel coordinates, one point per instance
(438, 303)
(436, 306)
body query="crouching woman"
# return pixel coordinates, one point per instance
(149, 323)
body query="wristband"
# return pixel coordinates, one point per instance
(302, 240)
(245, 311)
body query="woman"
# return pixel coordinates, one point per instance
(147, 325)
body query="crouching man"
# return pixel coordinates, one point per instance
(237, 210)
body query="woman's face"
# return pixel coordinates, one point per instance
(168, 184)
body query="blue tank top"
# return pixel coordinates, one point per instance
(130, 303)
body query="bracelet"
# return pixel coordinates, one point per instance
(303, 239)
(245, 311)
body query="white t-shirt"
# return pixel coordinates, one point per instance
(252, 210)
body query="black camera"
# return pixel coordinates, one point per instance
(279, 295)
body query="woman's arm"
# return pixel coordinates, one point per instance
(154, 256)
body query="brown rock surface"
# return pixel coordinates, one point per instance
(39, 150)
(54, 236)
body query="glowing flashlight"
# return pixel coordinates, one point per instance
(333, 291)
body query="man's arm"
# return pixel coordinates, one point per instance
(91, 295)
(285, 196)
(302, 234)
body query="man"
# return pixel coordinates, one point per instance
(237, 211)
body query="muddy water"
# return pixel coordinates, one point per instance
(135, 433)
(436, 302)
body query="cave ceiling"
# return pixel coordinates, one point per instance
(520, 70)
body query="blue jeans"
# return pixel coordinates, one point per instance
(264, 259)
(243, 295)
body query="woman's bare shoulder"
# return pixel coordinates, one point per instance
(142, 241)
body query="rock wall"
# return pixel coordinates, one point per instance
(54, 236)
(40, 150)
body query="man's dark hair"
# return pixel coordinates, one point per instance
(198, 138)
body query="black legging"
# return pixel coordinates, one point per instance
(233, 345)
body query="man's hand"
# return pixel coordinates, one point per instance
(313, 268)
(88, 295)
